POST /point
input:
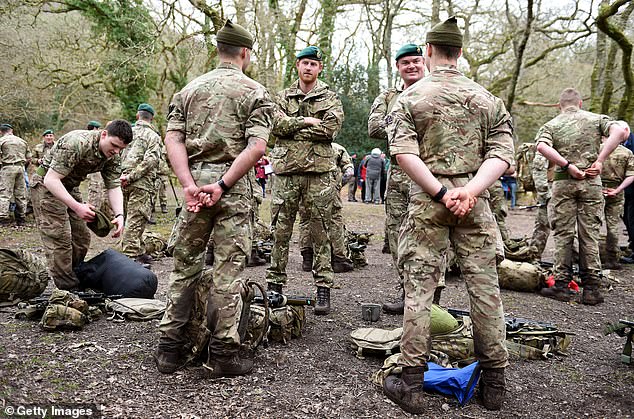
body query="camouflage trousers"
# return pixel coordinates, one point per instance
(227, 224)
(65, 236)
(12, 185)
(499, 207)
(541, 231)
(161, 191)
(577, 205)
(138, 210)
(314, 192)
(396, 202)
(613, 212)
(98, 194)
(335, 226)
(423, 246)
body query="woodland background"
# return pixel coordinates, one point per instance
(66, 62)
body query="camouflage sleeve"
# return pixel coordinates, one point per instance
(151, 149)
(539, 170)
(605, 122)
(29, 156)
(376, 119)
(344, 160)
(328, 128)
(111, 173)
(544, 135)
(629, 167)
(176, 115)
(401, 131)
(286, 126)
(260, 120)
(499, 141)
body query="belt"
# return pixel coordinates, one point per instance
(12, 164)
(610, 183)
(209, 165)
(561, 176)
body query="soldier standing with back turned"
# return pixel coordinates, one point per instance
(218, 126)
(454, 139)
(310, 118)
(14, 157)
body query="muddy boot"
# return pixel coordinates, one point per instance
(227, 366)
(167, 361)
(20, 221)
(591, 296)
(437, 294)
(407, 390)
(386, 247)
(323, 301)
(492, 388)
(271, 286)
(164, 209)
(307, 260)
(340, 265)
(397, 307)
(559, 292)
(255, 259)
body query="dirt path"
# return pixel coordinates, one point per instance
(317, 375)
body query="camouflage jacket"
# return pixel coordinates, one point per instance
(140, 160)
(219, 113)
(39, 151)
(618, 166)
(539, 170)
(576, 135)
(301, 148)
(381, 107)
(452, 123)
(342, 158)
(76, 155)
(14, 150)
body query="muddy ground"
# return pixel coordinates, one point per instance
(318, 375)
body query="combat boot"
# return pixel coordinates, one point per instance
(307, 260)
(559, 292)
(340, 265)
(323, 301)
(164, 209)
(407, 390)
(255, 259)
(209, 258)
(20, 221)
(167, 362)
(386, 247)
(591, 296)
(271, 286)
(437, 294)
(397, 307)
(492, 388)
(227, 366)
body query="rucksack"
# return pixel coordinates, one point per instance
(23, 275)
(139, 309)
(524, 159)
(65, 311)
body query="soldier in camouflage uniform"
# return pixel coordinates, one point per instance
(343, 171)
(63, 215)
(218, 127)
(411, 66)
(139, 166)
(15, 155)
(571, 141)
(160, 185)
(617, 174)
(311, 116)
(454, 139)
(39, 151)
(542, 177)
(499, 207)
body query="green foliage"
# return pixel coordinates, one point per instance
(352, 87)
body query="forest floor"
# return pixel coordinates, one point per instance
(318, 375)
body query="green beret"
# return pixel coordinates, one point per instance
(445, 33)
(312, 53)
(409, 50)
(234, 34)
(48, 131)
(94, 124)
(7, 126)
(146, 107)
(101, 225)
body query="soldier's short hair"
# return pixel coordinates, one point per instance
(569, 96)
(446, 51)
(4, 128)
(228, 50)
(121, 129)
(145, 115)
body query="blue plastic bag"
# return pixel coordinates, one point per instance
(458, 382)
